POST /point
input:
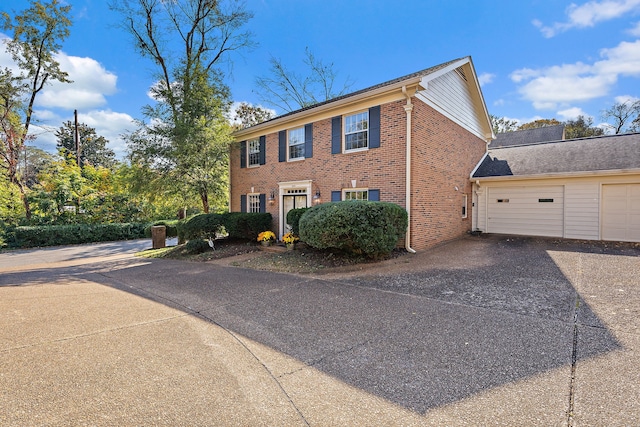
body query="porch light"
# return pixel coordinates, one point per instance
(316, 197)
(272, 198)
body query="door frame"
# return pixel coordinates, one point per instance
(282, 190)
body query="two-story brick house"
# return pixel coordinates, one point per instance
(413, 141)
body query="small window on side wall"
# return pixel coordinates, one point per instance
(464, 206)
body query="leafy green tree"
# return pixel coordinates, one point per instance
(37, 34)
(287, 90)
(93, 147)
(502, 124)
(248, 115)
(34, 160)
(187, 135)
(11, 206)
(581, 127)
(540, 123)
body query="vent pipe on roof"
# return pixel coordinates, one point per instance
(408, 108)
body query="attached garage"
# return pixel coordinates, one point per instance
(621, 212)
(579, 189)
(534, 211)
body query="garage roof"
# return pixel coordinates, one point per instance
(528, 136)
(603, 153)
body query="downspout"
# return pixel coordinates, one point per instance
(408, 108)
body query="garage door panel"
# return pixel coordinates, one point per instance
(621, 212)
(520, 210)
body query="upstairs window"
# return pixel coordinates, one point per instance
(253, 148)
(296, 143)
(356, 131)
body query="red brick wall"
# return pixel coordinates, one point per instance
(443, 156)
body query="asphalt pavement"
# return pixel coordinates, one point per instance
(481, 331)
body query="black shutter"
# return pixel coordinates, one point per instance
(336, 135)
(282, 146)
(263, 154)
(374, 195)
(243, 203)
(243, 154)
(374, 127)
(308, 141)
(263, 203)
(336, 196)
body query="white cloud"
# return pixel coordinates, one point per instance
(91, 83)
(499, 102)
(111, 125)
(561, 85)
(635, 31)
(589, 14)
(486, 78)
(571, 113)
(626, 98)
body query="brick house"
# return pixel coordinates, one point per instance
(413, 141)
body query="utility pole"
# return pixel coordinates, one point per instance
(77, 137)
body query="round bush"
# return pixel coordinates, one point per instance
(360, 227)
(293, 219)
(197, 246)
(202, 226)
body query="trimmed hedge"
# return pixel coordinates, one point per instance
(239, 225)
(293, 219)
(73, 234)
(358, 227)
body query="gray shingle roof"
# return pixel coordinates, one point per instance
(528, 136)
(610, 152)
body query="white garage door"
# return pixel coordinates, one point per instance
(621, 212)
(532, 211)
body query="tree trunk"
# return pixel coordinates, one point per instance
(205, 200)
(25, 200)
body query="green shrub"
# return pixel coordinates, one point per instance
(364, 228)
(202, 226)
(293, 219)
(245, 226)
(197, 246)
(238, 225)
(71, 234)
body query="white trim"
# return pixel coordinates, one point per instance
(558, 175)
(291, 185)
(344, 132)
(353, 190)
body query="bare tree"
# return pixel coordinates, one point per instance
(622, 113)
(289, 91)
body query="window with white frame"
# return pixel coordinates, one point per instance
(253, 203)
(355, 194)
(253, 147)
(356, 131)
(296, 143)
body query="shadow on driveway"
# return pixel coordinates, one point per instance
(420, 339)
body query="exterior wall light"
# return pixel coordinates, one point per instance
(316, 197)
(272, 198)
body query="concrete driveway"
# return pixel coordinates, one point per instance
(481, 331)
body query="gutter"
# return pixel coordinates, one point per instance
(408, 108)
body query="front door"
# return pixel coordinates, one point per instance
(291, 201)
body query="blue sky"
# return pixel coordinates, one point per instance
(535, 58)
